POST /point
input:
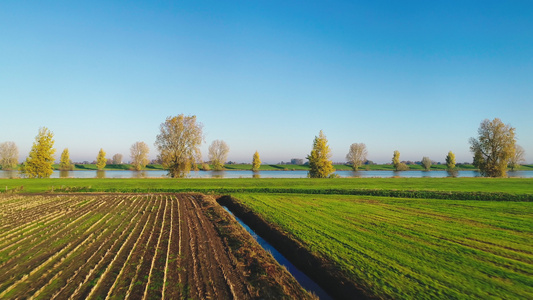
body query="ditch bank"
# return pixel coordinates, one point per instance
(320, 270)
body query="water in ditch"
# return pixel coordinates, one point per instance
(306, 282)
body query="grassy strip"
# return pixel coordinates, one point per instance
(504, 189)
(518, 189)
(411, 249)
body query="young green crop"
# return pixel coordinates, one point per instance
(405, 248)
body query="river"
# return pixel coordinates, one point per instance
(260, 174)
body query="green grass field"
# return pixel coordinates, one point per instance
(412, 248)
(513, 186)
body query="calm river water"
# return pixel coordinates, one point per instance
(260, 174)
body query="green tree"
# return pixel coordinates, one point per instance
(450, 161)
(101, 160)
(64, 163)
(517, 159)
(139, 155)
(179, 144)
(9, 156)
(39, 162)
(357, 155)
(426, 163)
(396, 159)
(398, 166)
(494, 147)
(320, 165)
(218, 154)
(256, 162)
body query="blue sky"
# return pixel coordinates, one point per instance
(413, 76)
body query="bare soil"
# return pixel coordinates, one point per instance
(117, 246)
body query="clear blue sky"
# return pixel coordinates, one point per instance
(413, 76)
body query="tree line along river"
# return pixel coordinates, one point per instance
(262, 174)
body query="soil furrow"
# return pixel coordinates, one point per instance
(137, 287)
(154, 287)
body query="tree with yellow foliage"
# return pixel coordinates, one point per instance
(398, 166)
(64, 163)
(101, 160)
(179, 144)
(450, 161)
(39, 162)
(256, 162)
(320, 165)
(494, 147)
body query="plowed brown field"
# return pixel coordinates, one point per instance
(109, 246)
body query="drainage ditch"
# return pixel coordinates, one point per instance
(304, 280)
(321, 272)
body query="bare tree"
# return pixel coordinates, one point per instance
(139, 155)
(117, 159)
(356, 155)
(218, 154)
(179, 143)
(517, 158)
(9, 155)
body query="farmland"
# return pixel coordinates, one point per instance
(150, 246)
(512, 186)
(411, 248)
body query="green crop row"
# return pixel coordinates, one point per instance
(412, 248)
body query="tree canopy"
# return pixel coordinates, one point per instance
(101, 161)
(64, 162)
(357, 155)
(179, 144)
(218, 154)
(139, 155)
(450, 161)
(398, 166)
(320, 165)
(426, 163)
(117, 159)
(517, 158)
(39, 162)
(494, 147)
(256, 162)
(9, 155)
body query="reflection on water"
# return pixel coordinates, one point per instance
(10, 174)
(139, 174)
(452, 173)
(100, 174)
(218, 174)
(256, 175)
(356, 174)
(64, 174)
